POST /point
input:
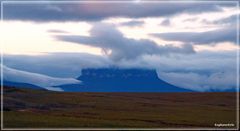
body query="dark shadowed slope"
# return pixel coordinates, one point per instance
(121, 80)
(21, 85)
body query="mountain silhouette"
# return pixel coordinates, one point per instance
(20, 85)
(121, 80)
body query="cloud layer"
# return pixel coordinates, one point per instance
(36, 79)
(97, 11)
(227, 34)
(56, 64)
(116, 46)
(200, 72)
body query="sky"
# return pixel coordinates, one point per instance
(190, 44)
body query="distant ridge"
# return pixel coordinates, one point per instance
(121, 80)
(21, 85)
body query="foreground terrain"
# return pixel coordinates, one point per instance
(40, 108)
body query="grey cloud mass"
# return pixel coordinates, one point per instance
(231, 20)
(116, 46)
(70, 11)
(132, 23)
(219, 81)
(166, 22)
(227, 34)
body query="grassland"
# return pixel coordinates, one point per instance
(46, 109)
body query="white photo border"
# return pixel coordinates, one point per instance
(123, 1)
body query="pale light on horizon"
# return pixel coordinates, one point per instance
(33, 39)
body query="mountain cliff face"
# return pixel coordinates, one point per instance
(121, 80)
(118, 75)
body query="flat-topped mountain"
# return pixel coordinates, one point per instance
(118, 74)
(121, 80)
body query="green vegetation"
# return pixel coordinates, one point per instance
(39, 108)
